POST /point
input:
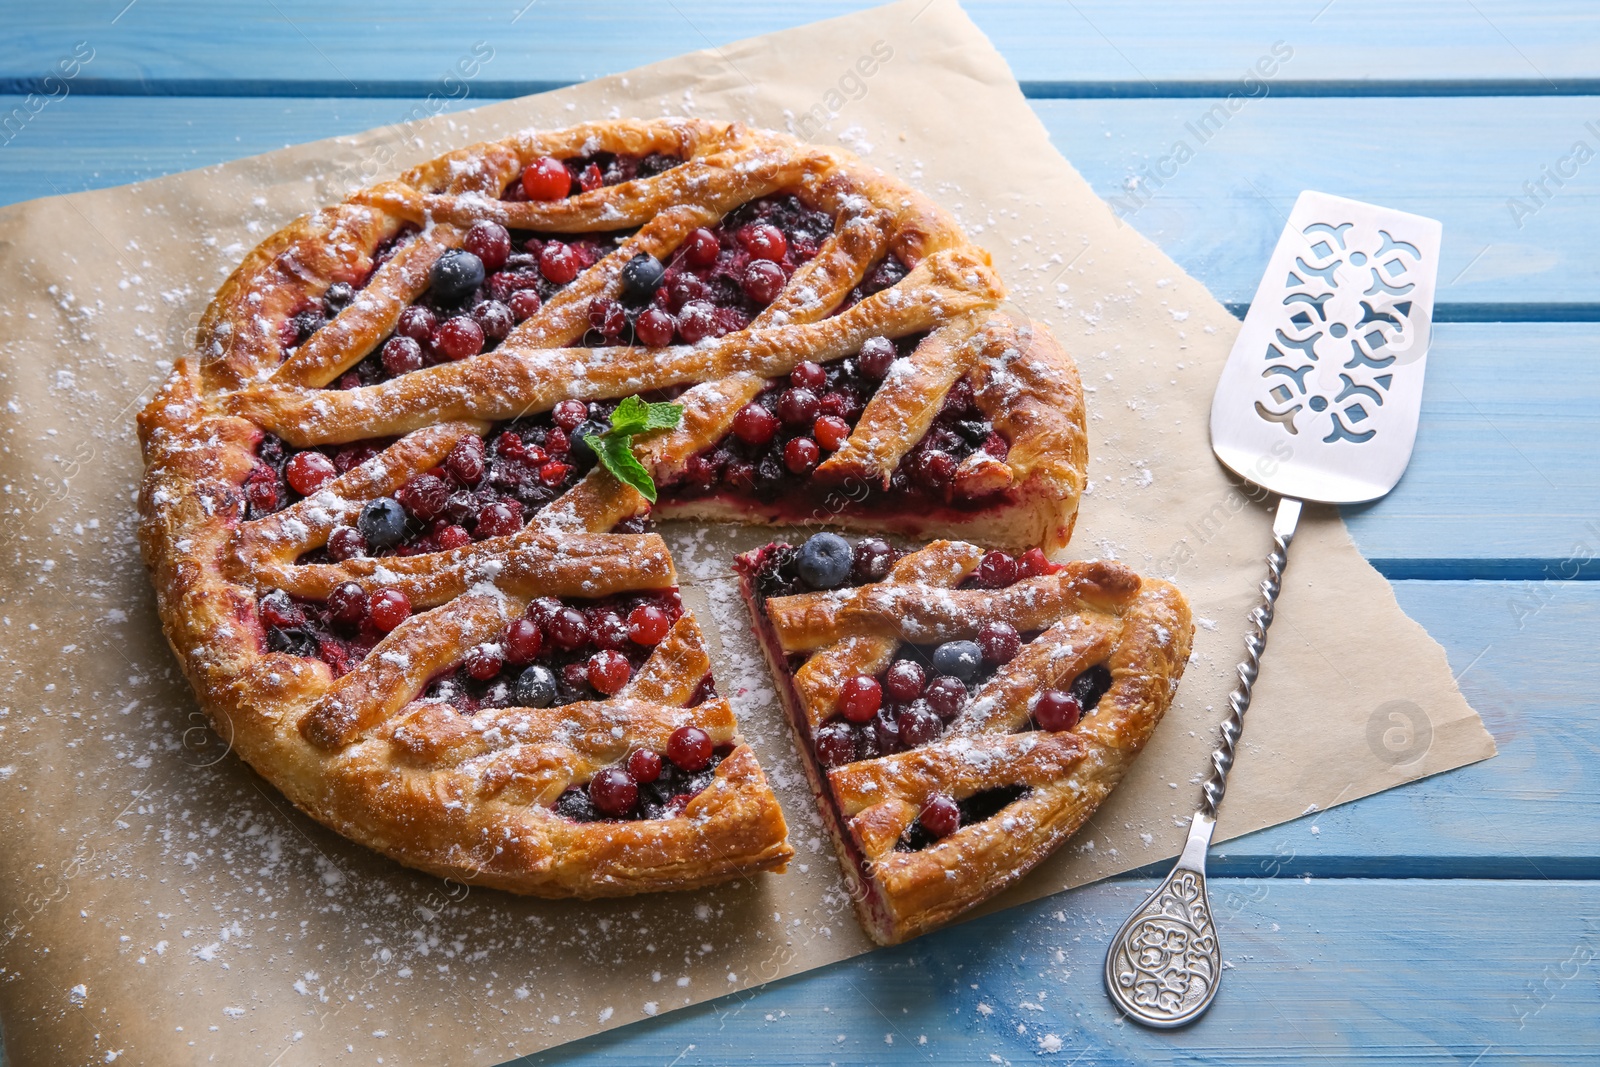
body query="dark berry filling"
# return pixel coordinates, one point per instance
(548, 178)
(340, 631)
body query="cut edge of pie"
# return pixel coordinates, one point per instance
(1093, 635)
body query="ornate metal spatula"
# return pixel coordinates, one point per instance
(1318, 401)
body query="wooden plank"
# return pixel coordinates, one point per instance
(1218, 215)
(304, 46)
(1345, 971)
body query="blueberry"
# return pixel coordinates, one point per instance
(825, 560)
(536, 687)
(641, 277)
(337, 298)
(958, 658)
(575, 804)
(580, 451)
(382, 522)
(456, 275)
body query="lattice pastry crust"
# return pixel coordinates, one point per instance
(1043, 784)
(467, 791)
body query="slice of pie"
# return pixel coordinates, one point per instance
(960, 713)
(405, 557)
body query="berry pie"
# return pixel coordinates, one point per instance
(960, 712)
(399, 500)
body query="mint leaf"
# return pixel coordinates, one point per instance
(663, 417)
(616, 454)
(632, 416)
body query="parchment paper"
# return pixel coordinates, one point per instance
(163, 903)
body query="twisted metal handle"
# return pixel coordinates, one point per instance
(1255, 642)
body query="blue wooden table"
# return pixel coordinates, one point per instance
(1456, 920)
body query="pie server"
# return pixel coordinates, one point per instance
(1318, 401)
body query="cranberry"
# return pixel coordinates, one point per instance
(458, 338)
(762, 282)
(689, 748)
(797, 407)
(607, 316)
(388, 609)
(999, 642)
(700, 248)
(800, 455)
(559, 263)
(996, 570)
(904, 680)
(945, 695)
(1034, 563)
(522, 642)
(346, 543)
(609, 671)
(919, 724)
(655, 328)
(569, 414)
(499, 519)
(418, 323)
(941, 817)
(554, 473)
(697, 321)
(449, 536)
(424, 496)
(280, 611)
(754, 425)
(493, 318)
(568, 629)
(490, 242)
(877, 356)
(831, 432)
(609, 629)
(546, 179)
(347, 604)
(307, 472)
(644, 765)
(464, 462)
(525, 303)
(935, 469)
(835, 744)
(763, 241)
(1055, 710)
(860, 698)
(873, 558)
(484, 661)
(613, 792)
(647, 625)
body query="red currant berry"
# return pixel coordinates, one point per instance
(683, 289)
(542, 610)
(808, 375)
(999, 642)
(609, 671)
(941, 817)
(1055, 710)
(261, 489)
(647, 625)
(935, 469)
(546, 179)
(418, 323)
(763, 241)
(484, 661)
(800, 455)
(522, 642)
(945, 695)
(569, 414)
(490, 242)
(831, 432)
(860, 698)
(873, 558)
(996, 570)
(797, 407)
(607, 316)
(655, 328)
(306, 472)
(401, 355)
(877, 356)
(696, 321)
(644, 765)
(754, 425)
(609, 629)
(559, 263)
(835, 744)
(689, 748)
(525, 303)
(919, 724)
(458, 338)
(347, 604)
(904, 681)
(388, 609)
(568, 629)
(700, 248)
(346, 543)
(613, 792)
(494, 319)
(762, 282)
